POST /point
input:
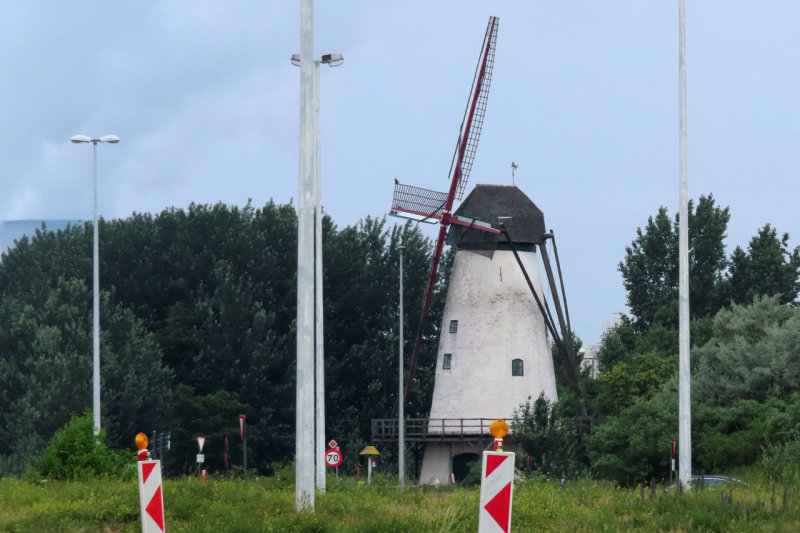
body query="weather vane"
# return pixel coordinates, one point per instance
(514, 168)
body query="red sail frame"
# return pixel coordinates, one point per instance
(467, 144)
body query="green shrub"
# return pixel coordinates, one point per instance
(781, 462)
(75, 453)
(633, 446)
(542, 432)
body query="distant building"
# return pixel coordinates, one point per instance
(589, 361)
(611, 322)
(14, 230)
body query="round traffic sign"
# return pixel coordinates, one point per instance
(333, 458)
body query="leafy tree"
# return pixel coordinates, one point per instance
(751, 354)
(198, 313)
(767, 268)
(45, 373)
(707, 262)
(630, 382)
(633, 446)
(213, 416)
(622, 342)
(650, 268)
(781, 461)
(361, 294)
(550, 440)
(616, 345)
(736, 435)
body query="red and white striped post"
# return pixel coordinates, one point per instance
(151, 499)
(497, 484)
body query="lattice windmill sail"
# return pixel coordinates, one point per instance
(431, 206)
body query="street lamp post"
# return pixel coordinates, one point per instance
(112, 139)
(332, 60)
(401, 456)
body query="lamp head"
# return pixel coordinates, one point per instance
(113, 139)
(332, 60)
(296, 60)
(80, 139)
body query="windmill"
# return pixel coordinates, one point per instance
(494, 350)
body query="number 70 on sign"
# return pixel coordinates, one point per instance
(333, 458)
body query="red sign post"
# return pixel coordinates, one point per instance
(225, 457)
(672, 462)
(244, 443)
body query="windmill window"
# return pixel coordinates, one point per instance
(454, 326)
(447, 360)
(517, 368)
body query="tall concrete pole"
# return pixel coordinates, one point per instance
(95, 300)
(318, 311)
(401, 429)
(684, 386)
(304, 441)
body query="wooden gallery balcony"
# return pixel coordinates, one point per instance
(434, 430)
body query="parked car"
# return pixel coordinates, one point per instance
(711, 482)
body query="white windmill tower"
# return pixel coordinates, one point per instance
(494, 350)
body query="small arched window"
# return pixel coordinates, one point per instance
(517, 368)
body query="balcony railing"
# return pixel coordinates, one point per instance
(450, 429)
(432, 429)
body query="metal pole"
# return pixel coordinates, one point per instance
(401, 430)
(684, 385)
(304, 408)
(95, 302)
(320, 345)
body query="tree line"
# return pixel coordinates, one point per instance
(198, 326)
(745, 330)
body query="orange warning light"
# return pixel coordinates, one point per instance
(141, 441)
(499, 428)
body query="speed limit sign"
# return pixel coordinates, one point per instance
(333, 458)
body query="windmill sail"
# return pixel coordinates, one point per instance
(426, 205)
(472, 124)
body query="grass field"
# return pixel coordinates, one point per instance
(267, 504)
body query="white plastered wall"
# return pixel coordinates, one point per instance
(498, 321)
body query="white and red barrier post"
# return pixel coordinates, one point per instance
(151, 499)
(497, 485)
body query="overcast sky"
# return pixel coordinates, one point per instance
(584, 99)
